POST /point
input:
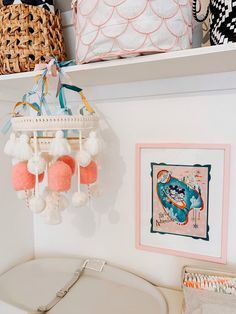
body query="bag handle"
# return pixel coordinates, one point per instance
(74, 88)
(63, 292)
(196, 11)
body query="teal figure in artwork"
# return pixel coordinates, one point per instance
(177, 197)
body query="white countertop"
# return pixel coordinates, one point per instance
(174, 299)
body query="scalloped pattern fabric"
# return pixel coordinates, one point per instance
(109, 29)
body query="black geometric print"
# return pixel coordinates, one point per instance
(43, 3)
(222, 21)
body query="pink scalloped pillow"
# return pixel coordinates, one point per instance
(110, 29)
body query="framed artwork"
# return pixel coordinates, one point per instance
(182, 199)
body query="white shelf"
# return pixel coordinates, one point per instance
(207, 60)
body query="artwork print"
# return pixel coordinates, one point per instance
(180, 199)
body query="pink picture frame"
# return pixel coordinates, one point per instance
(150, 159)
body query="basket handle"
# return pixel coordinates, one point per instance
(74, 88)
(196, 11)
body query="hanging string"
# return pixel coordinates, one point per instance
(36, 166)
(80, 148)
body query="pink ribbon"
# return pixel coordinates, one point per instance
(51, 67)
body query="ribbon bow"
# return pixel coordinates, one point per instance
(53, 67)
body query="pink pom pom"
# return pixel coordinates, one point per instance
(21, 178)
(88, 175)
(69, 161)
(59, 177)
(41, 177)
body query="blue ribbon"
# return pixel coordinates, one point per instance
(8, 124)
(6, 127)
(42, 100)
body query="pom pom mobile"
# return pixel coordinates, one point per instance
(51, 147)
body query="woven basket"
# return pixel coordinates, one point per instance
(28, 34)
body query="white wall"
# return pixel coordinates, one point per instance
(191, 110)
(16, 222)
(199, 109)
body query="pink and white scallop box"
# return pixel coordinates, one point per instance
(110, 29)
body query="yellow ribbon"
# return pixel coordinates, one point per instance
(86, 103)
(21, 103)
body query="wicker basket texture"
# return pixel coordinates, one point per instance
(28, 34)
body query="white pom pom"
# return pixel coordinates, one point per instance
(63, 202)
(9, 148)
(59, 134)
(83, 158)
(92, 144)
(36, 165)
(59, 145)
(79, 199)
(48, 195)
(23, 150)
(23, 195)
(95, 191)
(52, 216)
(55, 200)
(59, 201)
(37, 204)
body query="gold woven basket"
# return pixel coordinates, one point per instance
(28, 34)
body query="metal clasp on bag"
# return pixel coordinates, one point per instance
(95, 264)
(61, 293)
(42, 309)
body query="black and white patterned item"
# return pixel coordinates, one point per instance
(222, 20)
(45, 4)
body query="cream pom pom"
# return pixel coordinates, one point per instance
(63, 202)
(95, 191)
(59, 145)
(83, 158)
(9, 148)
(79, 199)
(92, 144)
(23, 150)
(55, 200)
(37, 204)
(52, 216)
(36, 165)
(23, 195)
